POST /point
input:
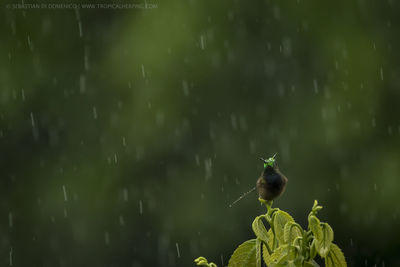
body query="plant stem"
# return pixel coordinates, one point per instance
(270, 211)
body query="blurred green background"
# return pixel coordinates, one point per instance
(126, 133)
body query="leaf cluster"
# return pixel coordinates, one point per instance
(285, 243)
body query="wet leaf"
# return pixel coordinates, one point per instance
(323, 244)
(291, 232)
(244, 255)
(280, 218)
(258, 252)
(335, 257)
(315, 226)
(259, 229)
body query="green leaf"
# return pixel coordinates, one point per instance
(266, 254)
(279, 255)
(244, 255)
(323, 244)
(291, 232)
(259, 229)
(299, 260)
(311, 263)
(201, 261)
(291, 264)
(315, 226)
(280, 218)
(335, 257)
(315, 208)
(315, 204)
(313, 250)
(258, 252)
(271, 238)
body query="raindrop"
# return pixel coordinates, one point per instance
(252, 147)
(115, 158)
(82, 84)
(78, 18)
(375, 187)
(86, 58)
(11, 257)
(177, 250)
(197, 159)
(281, 90)
(140, 207)
(121, 220)
(185, 88)
(123, 141)
(65, 193)
(243, 123)
(277, 13)
(381, 72)
(106, 238)
(65, 213)
(287, 46)
(13, 27)
(373, 123)
(94, 112)
(202, 45)
(10, 219)
(315, 83)
(32, 120)
(390, 130)
(30, 43)
(208, 166)
(143, 73)
(139, 153)
(80, 28)
(23, 95)
(125, 194)
(230, 15)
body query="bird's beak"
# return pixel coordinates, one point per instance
(263, 160)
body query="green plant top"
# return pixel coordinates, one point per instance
(285, 243)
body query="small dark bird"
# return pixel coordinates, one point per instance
(272, 182)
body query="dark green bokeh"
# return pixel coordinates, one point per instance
(152, 122)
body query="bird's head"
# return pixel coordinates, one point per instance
(269, 162)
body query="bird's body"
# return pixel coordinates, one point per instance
(271, 183)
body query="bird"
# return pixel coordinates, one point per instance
(272, 183)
